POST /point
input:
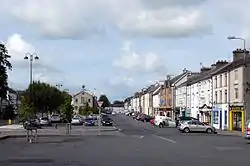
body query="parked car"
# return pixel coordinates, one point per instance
(247, 129)
(196, 126)
(144, 118)
(107, 121)
(44, 121)
(161, 121)
(55, 118)
(76, 121)
(89, 122)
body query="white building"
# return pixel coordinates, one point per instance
(156, 98)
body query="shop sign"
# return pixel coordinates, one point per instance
(236, 108)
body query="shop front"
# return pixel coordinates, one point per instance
(236, 118)
(205, 114)
(220, 116)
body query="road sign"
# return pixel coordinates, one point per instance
(100, 103)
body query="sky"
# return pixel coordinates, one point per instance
(118, 47)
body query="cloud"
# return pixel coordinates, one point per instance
(133, 62)
(18, 47)
(82, 18)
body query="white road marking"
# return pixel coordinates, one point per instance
(166, 139)
(138, 136)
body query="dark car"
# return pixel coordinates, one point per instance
(89, 122)
(145, 118)
(107, 121)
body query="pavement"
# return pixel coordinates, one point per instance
(135, 144)
(8, 131)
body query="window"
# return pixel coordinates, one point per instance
(220, 96)
(89, 100)
(82, 100)
(215, 81)
(76, 101)
(216, 117)
(216, 97)
(235, 74)
(226, 79)
(225, 96)
(236, 93)
(221, 80)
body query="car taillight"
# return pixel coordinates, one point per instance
(248, 130)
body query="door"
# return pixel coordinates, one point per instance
(220, 122)
(194, 126)
(201, 127)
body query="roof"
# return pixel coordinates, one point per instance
(190, 79)
(81, 92)
(233, 65)
(206, 75)
(173, 80)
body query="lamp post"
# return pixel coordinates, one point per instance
(244, 47)
(31, 57)
(59, 86)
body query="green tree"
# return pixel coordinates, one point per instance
(26, 109)
(4, 66)
(105, 100)
(67, 109)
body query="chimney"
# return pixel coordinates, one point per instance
(220, 63)
(185, 70)
(239, 54)
(204, 69)
(213, 66)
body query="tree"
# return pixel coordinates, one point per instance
(67, 109)
(4, 66)
(26, 109)
(105, 101)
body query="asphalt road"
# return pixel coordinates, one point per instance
(137, 144)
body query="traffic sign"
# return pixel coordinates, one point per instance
(100, 103)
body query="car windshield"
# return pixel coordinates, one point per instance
(44, 118)
(89, 119)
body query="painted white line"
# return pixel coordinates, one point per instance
(138, 136)
(166, 139)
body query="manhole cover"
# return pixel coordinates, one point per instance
(27, 160)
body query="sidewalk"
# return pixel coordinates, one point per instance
(18, 131)
(231, 133)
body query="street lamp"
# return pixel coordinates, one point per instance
(31, 57)
(59, 86)
(244, 47)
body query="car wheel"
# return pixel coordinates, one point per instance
(186, 130)
(161, 125)
(209, 130)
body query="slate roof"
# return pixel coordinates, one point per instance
(206, 75)
(233, 65)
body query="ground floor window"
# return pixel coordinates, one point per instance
(225, 117)
(216, 117)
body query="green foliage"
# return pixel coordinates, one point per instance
(26, 110)
(67, 109)
(105, 100)
(4, 66)
(46, 97)
(87, 110)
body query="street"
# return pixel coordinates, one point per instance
(136, 144)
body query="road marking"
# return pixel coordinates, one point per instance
(138, 136)
(166, 139)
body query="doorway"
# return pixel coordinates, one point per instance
(237, 121)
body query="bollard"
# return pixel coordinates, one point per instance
(56, 125)
(9, 121)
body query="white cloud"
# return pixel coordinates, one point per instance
(122, 80)
(18, 47)
(131, 61)
(70, 19)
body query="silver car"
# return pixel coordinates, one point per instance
(196, 126)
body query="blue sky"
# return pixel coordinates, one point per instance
(117, 46)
